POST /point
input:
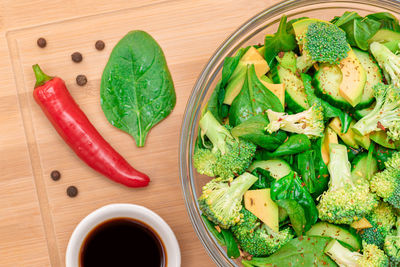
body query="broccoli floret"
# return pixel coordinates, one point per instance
(204, 161)
(385, 115)
(392, 246)
(386, 184)
(345, 201)
(221, 201)
(371, 257)
(256, 238)
(322, 42)
(227, 157)
(309, 122)
(382, 219)
(388, 61)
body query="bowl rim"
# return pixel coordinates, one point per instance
(192, 109)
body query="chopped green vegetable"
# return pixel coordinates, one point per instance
(227, 156)
(372, 256)
(346, 200)
(256, 237)
(325, 42)
(309, 122)
(291, 187)
(221, 201)
(253, 99)
(385, 115)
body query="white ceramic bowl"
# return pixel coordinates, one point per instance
(127, 211)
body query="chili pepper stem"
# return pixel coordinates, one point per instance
(41, 77)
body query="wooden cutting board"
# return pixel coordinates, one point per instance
(36, 216)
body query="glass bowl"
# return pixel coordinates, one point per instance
(252, 32)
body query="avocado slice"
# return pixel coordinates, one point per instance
(347, 138)
(354, 76)
(381, 138)
(277, 89)
(384, 35)
(362, 140)
(259, 203)
(361, 224)
(353, 79)
(235, 84)
(329, 137)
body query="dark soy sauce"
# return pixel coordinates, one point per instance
(122, 242)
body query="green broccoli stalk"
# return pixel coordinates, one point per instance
(385, 115)
(345, 201)
(386, 184)
(392, 246)
(382, 219)
(309, 122)
(388, 61)
(227, 157)
(221, 201)
(371, 257)
(323, 42)
(256, 238)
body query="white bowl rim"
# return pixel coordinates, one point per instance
(122, 210)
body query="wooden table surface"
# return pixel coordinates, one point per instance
(36, 216)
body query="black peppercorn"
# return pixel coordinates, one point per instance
(81, 80)
(100, 45)
(41, 42)
(76, 57)
(72, 191)
(55, 175)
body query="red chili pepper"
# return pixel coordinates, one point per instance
(74, 127)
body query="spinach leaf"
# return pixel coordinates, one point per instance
(278, 42)
(216, 102)
(253, 130)
(321, 181)
(329, 111)
(211, 227)
(296, 143)
(306, 168)
(137, 90)
(264, 179)
(232, 249)
(345, 18)
(253, 99)
(301, 251)
(290, 187)
(387, 20)
(360, 29)
(296, 214)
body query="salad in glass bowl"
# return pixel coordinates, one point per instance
(299, 139)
